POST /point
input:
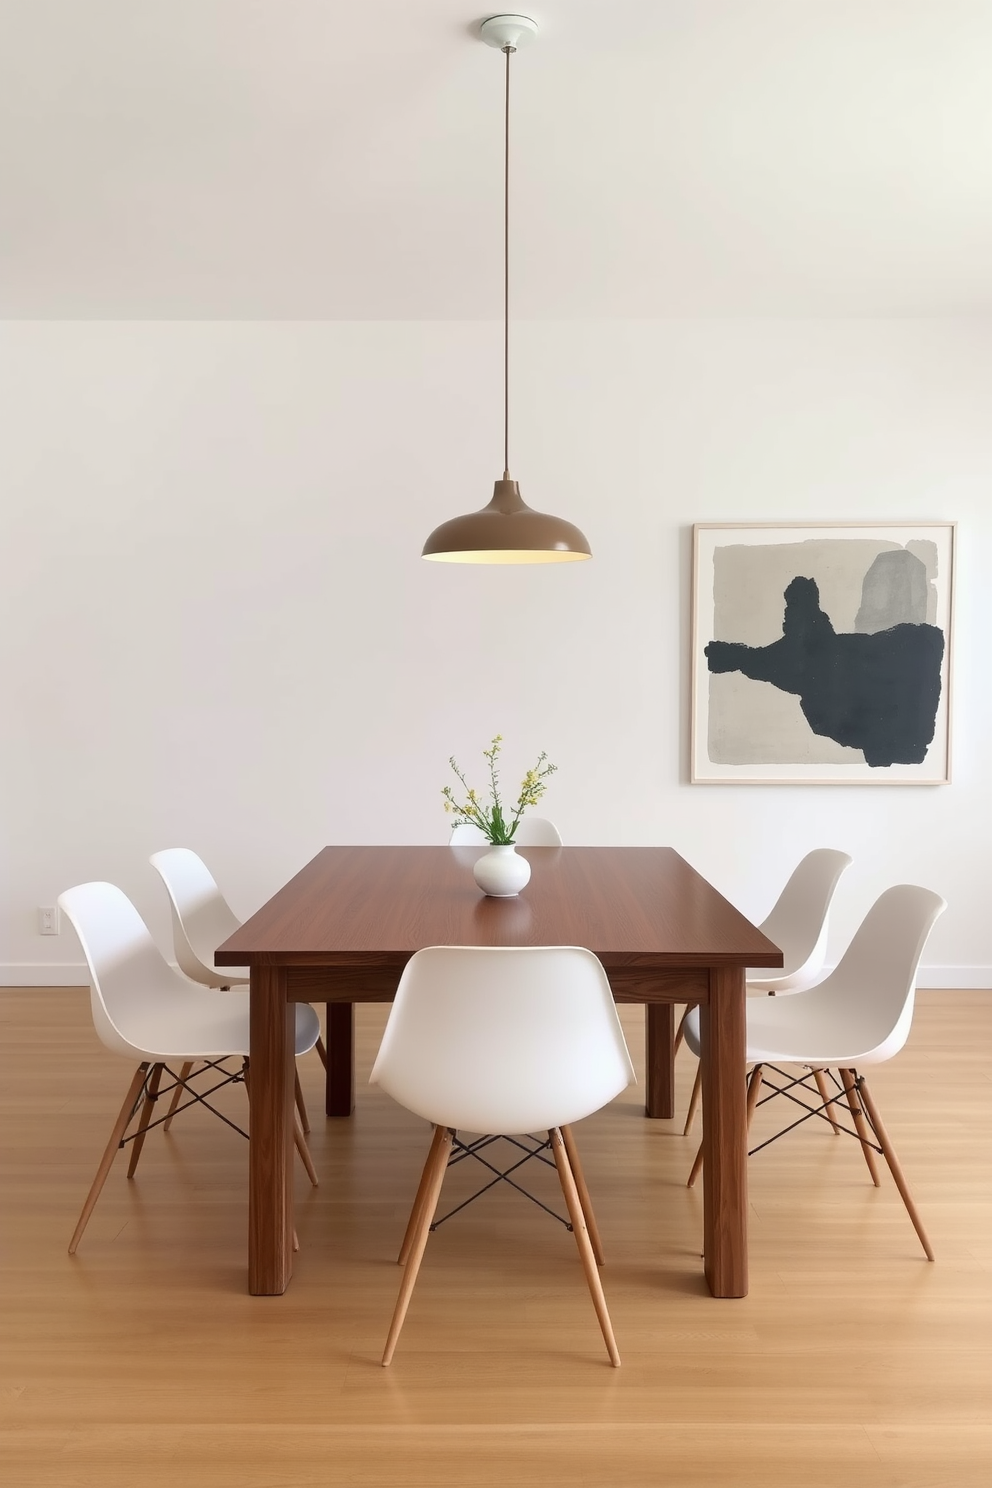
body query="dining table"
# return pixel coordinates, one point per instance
(341, 931)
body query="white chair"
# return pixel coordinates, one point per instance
(144, 1009)
(859, 1015)
(202, 920)
(514, 1040)
(533, 831)
(201, 917)
(797, 923)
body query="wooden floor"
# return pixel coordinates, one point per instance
(143, 1361)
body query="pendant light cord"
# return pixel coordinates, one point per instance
(506, 270)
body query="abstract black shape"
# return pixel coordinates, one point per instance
(877, 693)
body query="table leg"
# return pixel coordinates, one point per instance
(339, 1088)
(659, 1019)
(270, 1150)
(723, 1039)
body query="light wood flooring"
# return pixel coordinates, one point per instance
(143, 1361)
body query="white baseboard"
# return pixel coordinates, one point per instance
(47, 973)
(960, 978)
(44, 974)
(74, 974)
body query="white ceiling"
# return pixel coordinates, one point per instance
(310, 159)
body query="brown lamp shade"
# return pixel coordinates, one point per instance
(506, 531)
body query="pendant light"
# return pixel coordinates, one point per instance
(507, 530)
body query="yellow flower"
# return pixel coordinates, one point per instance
(498, 826)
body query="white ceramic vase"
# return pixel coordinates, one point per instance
(501, 872)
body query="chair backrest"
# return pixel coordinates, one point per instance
(799, 921)
(128, 973)
(533, 831)
(503, 1039)
(201, 916)
(872, 988)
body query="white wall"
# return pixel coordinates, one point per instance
(218, 631)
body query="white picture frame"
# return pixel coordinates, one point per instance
(845, 679)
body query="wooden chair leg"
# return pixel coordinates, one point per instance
(301, 1104)
(437, 1162)
(151, 1096)
(298, 1137)
(753, 1089)
(888, 1152)
(177, 1094)
(849, 1081)
(303, 1149)
(572, 1153)
(588, 1259)
(321, 1051)
(680, 1031)
(697, 1090)
(827, 1098)
(411, 1224)
(120, 1127)
(695, 1170)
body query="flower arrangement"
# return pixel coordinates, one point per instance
(490, 818)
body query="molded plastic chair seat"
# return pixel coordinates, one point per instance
(533, 831)
(144, 1009)
(799, 921)
(190, 1023)
(202, 920)
(859, 1015)
(820, 1031)
(798, 924)
(810, 1035)
(512, 1040)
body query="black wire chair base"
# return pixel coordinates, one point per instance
(462, 1150)
(196, 1097)
(800, 1082)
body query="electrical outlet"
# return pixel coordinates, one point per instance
(48, 919)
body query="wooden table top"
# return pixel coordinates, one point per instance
(375, 906)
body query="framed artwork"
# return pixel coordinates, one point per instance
(821, 653)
